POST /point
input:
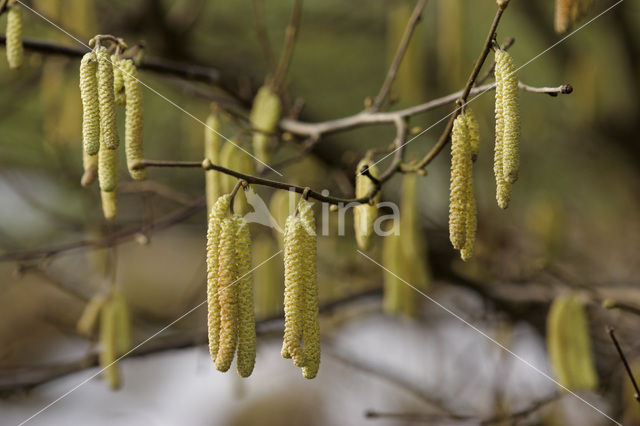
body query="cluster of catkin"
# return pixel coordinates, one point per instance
(569, 344)
(462, 205)
(15, 51)
(230, 320)
(114, 331)
(507, 114)
(104, 82)
(364, 215)
(570, 11)
(301, 340)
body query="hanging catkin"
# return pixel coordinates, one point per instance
(264, 117)
(474, 132)
(563, 15)
(90, 103)
(15, 51)
(108, 355)
(216, 217)
(232, 157)
(311, 324)
(133, 119)
(118, 81)
(90, 166)
(108, 128)
(471, 220)
(503, 187)
(122, 322)
(227, 294)
(90, 315)
(294, 296)
(460, 176)
(211, 151)
(107, 168)
(364, 215)
(506, 72)
(246, 318)
(109, 204)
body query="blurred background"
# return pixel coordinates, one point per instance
(572, 227)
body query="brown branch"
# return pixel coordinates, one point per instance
(289, 44)
(626, 364)
(414, 19)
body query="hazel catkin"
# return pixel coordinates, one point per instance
(15, 50)
(108, 128)
(227, 294)
(460, 175)
(107, 168)
(364, 215)
(118, 81)
(90, 103)
(108, 352)
(212, 153)
(506, 72)
(503, 187)
(109, 204)
(133, 119)
(90, 166)
(264, 117)
(90, 315)
(246, 319)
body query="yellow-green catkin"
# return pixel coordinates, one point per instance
(311, 324)
(232, 157)
(474, 132)
(503, 187)
(227, 294)
(118, 81)
(90, 314)
(109, 204)
(506, 72)
(294, 295)
(246, 317)
(569, 344)
(90, 103)
(107, 168)
(133, 119)
(15, 51)
(90, 166)
(471, 221)
(212, 141)
(364, 215)
(264, 117)
(108, 127)
(460, 176)
(122, 322)
(108, 350)
(216, 216)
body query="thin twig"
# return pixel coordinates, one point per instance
(505, 46)
(289, 44)
(626, 364)
(414, 19)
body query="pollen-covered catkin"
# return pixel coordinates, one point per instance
(109, 204)
(212, 152)
(246, 318)
(364, 215)
(216, 216)
(264, 117)
(227, 294)
(506, 71)
(474, 132)
(460, 175)
(311, 324)
(108, 128)
(90, 103)
(133, 119)
(118, 81)
(294, 300)
(90, 166)
(107, 168)
(472, 223)
(15, 51)
(503, 187)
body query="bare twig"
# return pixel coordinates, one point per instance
(289, 44)
(414, 19)
(625, 362)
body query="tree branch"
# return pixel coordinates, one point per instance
(289, 44)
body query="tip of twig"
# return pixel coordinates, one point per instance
(565, 89)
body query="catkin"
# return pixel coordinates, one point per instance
(294, 296)
(109, 204)
(107, 169)
(108, 128)
(506, 71)
(364, 215)
(216, 216)
(563, 15)
(503, 187)
(246, 318)
(211, 152)
(474, 132)
(122, 322)
(311, 324)
(133, 119)
(108, 356)
(264, 117)
(460, 176)
(232, 157)
(227, 294)
(90, 103)
(471, 224)
(15, 51)
(90, 166)
(90, 315)
(118, 81)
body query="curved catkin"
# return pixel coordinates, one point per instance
(212, 143)
(108, 169)
(216, 216)
(503, 188)
(246, 318)
(108, 356)
(227, 294)
(90, 103)
(460, 175)
(511, 116)
(294, 300)
(364, 215)
(133, 119)
(264, 117)
(108, 128)
(15, 51)
(118, 81)
(90, 315)
(90, 166)
(311, 324)
(474, 132)
(109, 204)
